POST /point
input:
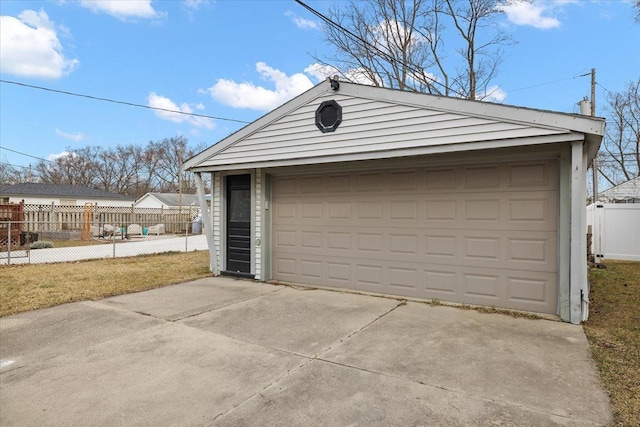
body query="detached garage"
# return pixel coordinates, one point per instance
(405, 194)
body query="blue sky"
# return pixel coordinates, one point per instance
(240, 59)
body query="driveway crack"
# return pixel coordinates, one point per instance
(392, 309)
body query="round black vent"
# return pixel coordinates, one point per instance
(328, 116)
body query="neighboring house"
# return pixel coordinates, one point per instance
(167, 201)
(627, 192)
(406, 194)
(59, 194)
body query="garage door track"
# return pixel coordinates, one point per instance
(220, 351)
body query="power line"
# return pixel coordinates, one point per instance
(16, 166)
(386, 55)
(25, 154)
(546, 83)
(131, 104)
(607, 90)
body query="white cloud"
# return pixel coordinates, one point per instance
(157, 101)
(321, 71)
(355, 75)
(31, 48)
(248, 95)
(194, 4)
(76, 137)
(303, 24)
(522, 12)
(493, 94)
(122, 9)
(54, 157)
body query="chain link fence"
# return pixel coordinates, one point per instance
(63, 240)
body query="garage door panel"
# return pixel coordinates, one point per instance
(340, 272)
(404, 180)
(369, 243)
(369, 209)
(403, 210)
(441, 246)
(286, 185)
(340, 240)
(370, 182)
(440, 179)
(284, 238)
(441, 283)
(533, 291)
(285, 210)
(339, 183)
(402, 279)
(476, 248)
(474, 235)
(311, 268)
(483, 177)
(506, 211)
(541, 175)
(339, 210)
(528, 290)
(310, 210)
(484, 249)
(482, 288)
(369, 277)
(285, 268)
(311, 185)
(405, 245)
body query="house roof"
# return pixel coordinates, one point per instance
(380, 123)
(629, 190)
(173, 199)
(59, 190)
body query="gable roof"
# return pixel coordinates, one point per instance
(173, 199)
(627, 191)
(385, 123)
(59, 190)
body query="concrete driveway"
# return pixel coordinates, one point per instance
(220, 351)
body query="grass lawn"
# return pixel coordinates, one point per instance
(613, 330)
(30, 287)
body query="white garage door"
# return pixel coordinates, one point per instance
(468, 234)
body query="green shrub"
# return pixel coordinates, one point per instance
(43, 244)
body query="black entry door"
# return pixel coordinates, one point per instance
(239, 224)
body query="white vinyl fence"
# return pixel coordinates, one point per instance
(616, 230)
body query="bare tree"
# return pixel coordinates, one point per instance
(619, 157)
(637, 7)
(125, 169)
(10, 174)
(78, 167)
(167, 156)
(382, 47)
(444, 47)
(122, 169)
(480, 50)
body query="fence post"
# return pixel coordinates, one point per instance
(113, 236)
(186, 236)
(9, 245)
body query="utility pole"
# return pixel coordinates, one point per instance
(594, 163)
(180, 184)
(593, 92)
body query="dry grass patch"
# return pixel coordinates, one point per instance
(613, 331)
(30, 287)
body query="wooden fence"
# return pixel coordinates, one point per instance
(78, 218)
